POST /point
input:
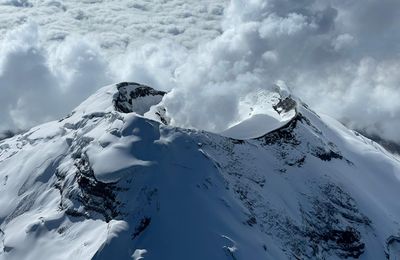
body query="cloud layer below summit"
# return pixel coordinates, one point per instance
(341, 57)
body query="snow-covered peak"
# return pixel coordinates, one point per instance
(124, 97)
(260, 112)
(106, 182)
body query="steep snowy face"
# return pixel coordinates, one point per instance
(112, 180)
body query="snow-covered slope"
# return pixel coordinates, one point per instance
(113, 181)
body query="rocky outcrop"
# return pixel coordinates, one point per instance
(134, 97)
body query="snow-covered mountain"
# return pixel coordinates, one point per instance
(114, 180)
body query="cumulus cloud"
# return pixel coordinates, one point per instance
(48, 66)
(17, 3)
(340, 56)
(38, 85)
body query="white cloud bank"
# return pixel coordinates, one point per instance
(35, 86)
(341, 57)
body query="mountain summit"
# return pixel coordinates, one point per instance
(114, 180)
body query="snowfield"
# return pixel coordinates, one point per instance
(114, 180)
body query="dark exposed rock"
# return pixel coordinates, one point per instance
(125, 84)
(283, 135)
(289, 138)
(326, 155)
(393, 247)
(144, 223)
(129, 91)
(331, 225)
(346, 243)
(162, 118)
(95, 196)
(285, 105)
(7, 249)
(251, 221)
(238, 141)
